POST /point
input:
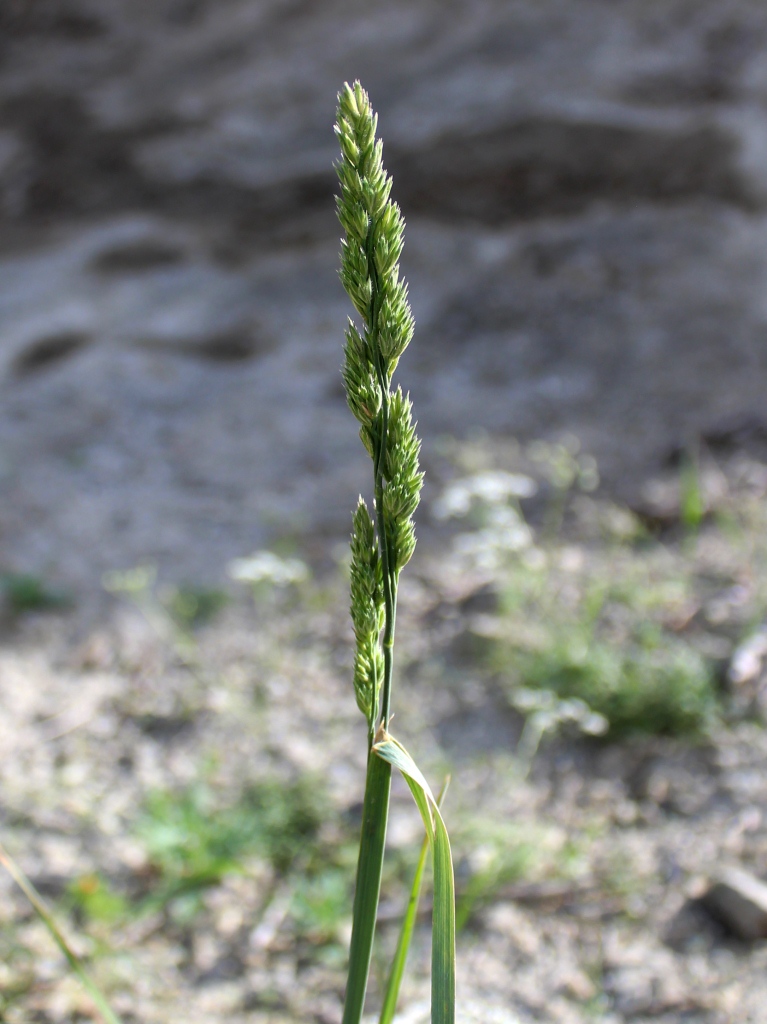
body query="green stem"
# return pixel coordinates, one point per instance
(390, 603)
(368, 886)
(389, 574)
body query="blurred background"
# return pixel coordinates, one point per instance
(584, 185)
(582, 637)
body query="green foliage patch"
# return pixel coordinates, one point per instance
(192, 842)
(195, 606)
(92, 897)
(592, 628)
(24, 592)
(657, 684)
(602, 632)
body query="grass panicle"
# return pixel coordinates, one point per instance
(383, 544)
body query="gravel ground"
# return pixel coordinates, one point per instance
(599, 918)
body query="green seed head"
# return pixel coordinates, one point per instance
(370, 251)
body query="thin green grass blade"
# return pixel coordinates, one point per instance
(46, 917)
(394, 982)
(375, 816)
(443, 918)
(443, 929)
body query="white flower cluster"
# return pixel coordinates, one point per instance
(491, 487)
(504, 530)
(552, 710)
(266, 567)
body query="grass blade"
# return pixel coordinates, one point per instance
(443, 918)
(46, 917)
(367, 891)
(443, 929)
(394, 982)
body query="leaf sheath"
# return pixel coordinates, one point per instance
(375, 815)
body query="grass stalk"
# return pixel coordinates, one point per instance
(374, 227)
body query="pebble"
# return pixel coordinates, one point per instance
(738, 900)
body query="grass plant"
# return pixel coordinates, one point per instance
(383, 545)
(192, 844)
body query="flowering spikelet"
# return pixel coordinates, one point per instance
(403, 479)
(367, 611)
(370, 251)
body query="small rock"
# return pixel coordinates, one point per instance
(641, 978)
(482, 601)
(746, 663)
(691, 929)
(649, 990)
(738, 900)
(508, 920)
(577, 985)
